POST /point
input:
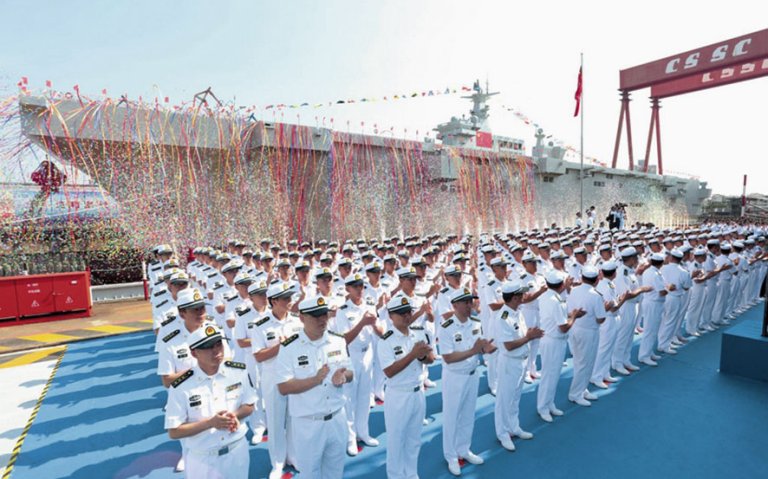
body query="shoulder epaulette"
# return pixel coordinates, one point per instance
(168, 321)
(242, 311)
(290, 339)
(444, 290)
(234, 296)
(626, 272)
(212, 274)
(275, 281)
(417, 328)
(157, 268)
(492, 282)
(505, 315)
(447, 323)
(218, 285)
(160, 293)
(182, 378)
(387, 334)
(206, 268)
(334, 333)
(523, 275)
(472, 318)
(262, 321)
(162, 303)
(343, 306)
(171, 336)
(234, 364)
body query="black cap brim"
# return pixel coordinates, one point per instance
(315, 312)
(208, 343)
(401, 309)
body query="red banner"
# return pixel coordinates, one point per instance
(736, 51)
(720, 77)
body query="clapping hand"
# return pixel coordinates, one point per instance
(339, 377)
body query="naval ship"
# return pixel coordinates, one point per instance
(470, 177)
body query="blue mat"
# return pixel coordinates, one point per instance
(103, 418)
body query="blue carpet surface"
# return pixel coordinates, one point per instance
(102, 418)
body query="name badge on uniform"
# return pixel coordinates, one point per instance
(270, 335)
(475, 331)
(303, 360)
(398, 350)
(182, 353)
(194, 400)
(334, 353)
(457, 337)
(369, 301)
(232, 387)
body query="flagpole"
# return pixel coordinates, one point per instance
(581, 106)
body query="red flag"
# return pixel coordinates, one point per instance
(48, 83)
(577, 95)
(24, 80)
(484, 139)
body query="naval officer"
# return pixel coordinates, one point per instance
(461, 342)
(311, 368)
(205, 408)
(403, 355)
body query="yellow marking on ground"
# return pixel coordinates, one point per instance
(111, 329)
(146, 321)
(32, 357)
(49, 337)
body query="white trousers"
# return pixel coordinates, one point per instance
(710, 296)
(652, 311)
(511, 372)
(672, 309)
(233, 465)
(718, 311)
(552, 351)
(583, 344)
(531, 317)
(322, 446)
(276, 408)
(695, 305)
(359, 395)
(459, 399)
(403, 418)
(606, 343)
(258, 419)
(625, 335)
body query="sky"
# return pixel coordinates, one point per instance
(261, 53)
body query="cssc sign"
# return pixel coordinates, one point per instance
(719, 55)
(711, 79)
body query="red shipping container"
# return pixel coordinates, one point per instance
(70, 293)
(8, 300)
(35, 296)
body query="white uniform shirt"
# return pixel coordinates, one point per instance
(652, 277)
(607, 290)
(267, 332)
(301, 358)
(553, 313)
(195, 396)
(347, 317)
(454, 336)
(585, 297)
(510, 326)
(393, 347)
(625, 281)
